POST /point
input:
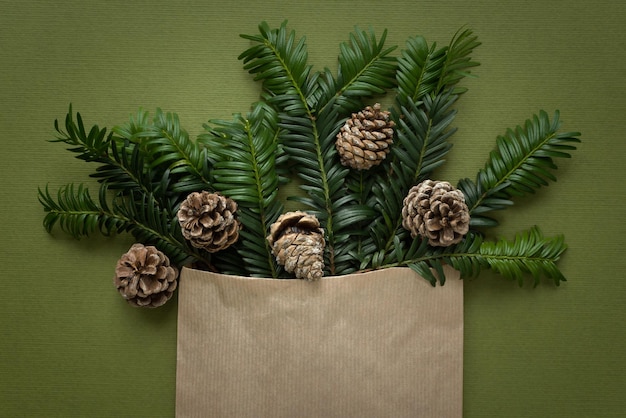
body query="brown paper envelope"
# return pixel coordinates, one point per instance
(378, 344)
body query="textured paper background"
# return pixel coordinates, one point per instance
(383, 343)
(71, 347)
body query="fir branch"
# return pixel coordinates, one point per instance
(151, 224)
(125, 169)
(521, 163)
(419, 70)
(323, 178)
(122, 164)
(307, 135)
(280, 63)
(76, 213)
(421, 144)
(529, 254)
(426, 91)
(427, 70)
(365, 69)
(90, 147)
(170, 152)
(458, 61)
(423, 131)
(137, 125)
(245, 156)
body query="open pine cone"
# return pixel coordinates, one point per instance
(208, 221)
(297, 242)
(144, 277)
(437, 211)
(364, 140)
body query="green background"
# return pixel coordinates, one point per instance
(70, 346)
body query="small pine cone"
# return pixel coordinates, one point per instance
(144, 277)
(437, 211)
(209, 221)
(364, 140)
(297, 242)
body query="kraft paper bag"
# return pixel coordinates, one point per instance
(378, 344)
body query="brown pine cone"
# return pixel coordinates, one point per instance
(437, 211)
(297, 242)
(364, 140)
(144, 277)
(209, 221)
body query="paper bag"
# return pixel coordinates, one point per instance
(378, 344)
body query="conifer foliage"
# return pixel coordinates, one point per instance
(147, 167)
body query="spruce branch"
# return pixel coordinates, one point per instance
(137, 125)
(419, 70)
(90, 147)
(522, 162)
(323, 178)
(246, 157)
(280, 63)
(152, 224)
(126, 170)
(121, 162)
(458, 61)
(528, 254)
(147, 165)
(76, 213)
(365, 68)
(169, 151)
(423, 130)
(427, 70)
(427, 79)
(308, 135)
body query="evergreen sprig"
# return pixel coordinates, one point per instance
(139, 188)
(279, 61)
(246, 160)
(309, 122)
(154, 225)
(169, 151)
(427, 88)
(90, 147)
(121, 165)
(423, 130)
(529, 253)
(126, 156)
(522, 162)
(427, 70)
(78, 214)
(458, 62)
(365, 69)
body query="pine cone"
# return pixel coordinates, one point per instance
(297, 242)
(364, 140)
(437, 211)
(144, 277)
(208, 221)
